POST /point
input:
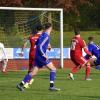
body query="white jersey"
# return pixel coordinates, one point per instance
(3, 55)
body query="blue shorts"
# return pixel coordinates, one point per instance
(97, 62)
(41, 61)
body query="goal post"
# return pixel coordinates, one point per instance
(45, 9)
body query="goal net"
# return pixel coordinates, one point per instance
(18, 23)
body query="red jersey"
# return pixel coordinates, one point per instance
(33, 39)
(77, 44)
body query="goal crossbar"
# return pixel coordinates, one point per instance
(39, 9)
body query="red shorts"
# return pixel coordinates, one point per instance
(78, 60)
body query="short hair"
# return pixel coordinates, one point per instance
(90, 38)
(76, 31)
(39, 27)
(47, 25)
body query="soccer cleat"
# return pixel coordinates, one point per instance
(20, 88)
(54, 89)
(26, 86)
(31, 81)
(71, 76)
(4, 72)
(88, 79)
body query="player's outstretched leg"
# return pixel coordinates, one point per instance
(52, 77)
(73, 71)
(26, 79)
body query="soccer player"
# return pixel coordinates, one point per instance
(3, 57)
(77, 44)
(32, 39)
(95, 50)
(41, 59)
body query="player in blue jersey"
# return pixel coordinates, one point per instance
(95, 50)
(41, 60)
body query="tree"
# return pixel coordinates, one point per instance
(11, 3)
(76, 11)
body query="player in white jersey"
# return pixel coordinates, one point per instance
(3, 57)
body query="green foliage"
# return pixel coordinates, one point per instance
(84, 13)
(88, 18)
(16, 40)
(55, 37)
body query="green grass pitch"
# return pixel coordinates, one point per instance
(79, 89)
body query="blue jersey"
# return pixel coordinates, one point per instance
(42, 43)
(94, 49)
(41, 48)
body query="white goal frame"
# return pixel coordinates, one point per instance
(46, 9)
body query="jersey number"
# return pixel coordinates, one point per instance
(73, 45)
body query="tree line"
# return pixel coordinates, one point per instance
(82, 13)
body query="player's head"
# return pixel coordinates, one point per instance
(90, 39)
(48, 27)
(76, 31)
(39, 28)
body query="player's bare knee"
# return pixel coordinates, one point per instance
(53, 68)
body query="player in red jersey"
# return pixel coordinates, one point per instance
(32, 39)
(77, 44)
